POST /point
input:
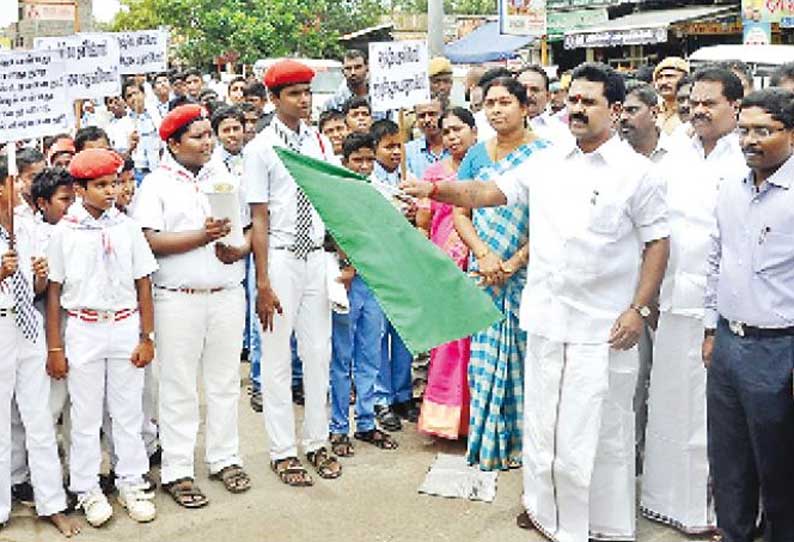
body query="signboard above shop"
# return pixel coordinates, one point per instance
(616, 38)
(560, 22)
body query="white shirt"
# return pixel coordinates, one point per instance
(266, 180)
(119, 131)
(726, 159)
(98, 260)
(171, 199)
(551, 128)
(25, 247)
(691, 188)
(589, 217)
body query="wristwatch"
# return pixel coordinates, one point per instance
(147, 336)
(642, 310)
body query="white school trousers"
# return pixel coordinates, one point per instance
(579, 464)
(198, 332)
(23, 372)
(302, 289)
(675, 481)
(99, 366)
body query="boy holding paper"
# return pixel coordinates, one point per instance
(185, 210)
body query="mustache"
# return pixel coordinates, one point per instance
(581, 117)
(701, 116)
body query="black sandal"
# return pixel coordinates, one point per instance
(341, 445)
(326, 465)
(378, 438)
(290, 471)
(234, 478)
(186, 493)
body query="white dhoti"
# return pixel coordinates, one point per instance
(99, 368)
(22, 372)
(579, 465)
(302, 289)
(198, 331)
(675, 482)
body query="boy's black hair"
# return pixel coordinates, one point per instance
(226, 112)
(28, 157)
(129, 165)
(383, 128)
(255, 89)
(356, 102)
(356, 141)
(327, 116)
(4, 166)
(49, 141)
(88, 133)
(46, 183)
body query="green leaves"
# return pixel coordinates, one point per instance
(203, 29)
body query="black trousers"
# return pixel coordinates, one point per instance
(751, 434)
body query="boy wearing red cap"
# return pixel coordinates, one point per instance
(22, 371)
(99, 275)
(199, 305)
(291, 277)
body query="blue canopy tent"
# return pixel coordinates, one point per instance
(485, 44)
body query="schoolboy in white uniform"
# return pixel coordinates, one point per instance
(199, 306)
(292, 293)
(99, 274)
(22, 373)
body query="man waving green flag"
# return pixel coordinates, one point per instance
(425, 296)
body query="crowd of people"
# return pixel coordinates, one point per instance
(632, 229)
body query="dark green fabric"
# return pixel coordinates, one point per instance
(426, 297)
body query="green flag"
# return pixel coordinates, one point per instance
(428, 300)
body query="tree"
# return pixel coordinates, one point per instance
(204, 29)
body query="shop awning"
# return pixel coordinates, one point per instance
(485, 44)
(645, 27)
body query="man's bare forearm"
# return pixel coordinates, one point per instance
(654, 265)
(260, 226)
(469, 194)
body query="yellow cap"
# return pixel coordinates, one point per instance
(439, 65)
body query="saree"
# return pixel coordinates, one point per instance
(496, 363)
(445, 407)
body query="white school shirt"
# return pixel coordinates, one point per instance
(589, 217)
(266, 180)
(119, 130)
(691, 186)
(43, 234)
(97, 261)
(171, 199)
(24, 231)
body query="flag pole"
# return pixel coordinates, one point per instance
(403, 176)
(11, 152)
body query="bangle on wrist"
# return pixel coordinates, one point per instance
(59, 349)
(482, 254)
(433, 191)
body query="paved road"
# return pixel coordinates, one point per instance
(374, 501)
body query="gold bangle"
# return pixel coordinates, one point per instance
(55, 350)
(482, 254)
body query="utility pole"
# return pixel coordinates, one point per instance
(435, 27)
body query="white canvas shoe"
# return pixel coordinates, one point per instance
(138, 502)
(96, 507)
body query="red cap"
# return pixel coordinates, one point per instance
(178, 117)
(65, 144)
(94, 163)
(288, 72)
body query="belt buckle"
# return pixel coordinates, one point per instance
(737, 328)
(105, 316)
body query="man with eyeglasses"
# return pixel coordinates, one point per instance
(748, 345)
(675, 488)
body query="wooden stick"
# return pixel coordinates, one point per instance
(11, 151)
(403, 175)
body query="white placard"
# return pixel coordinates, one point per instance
(33, 101)
(145, 51)
(225, 204)
(93, 64)
(398, 74)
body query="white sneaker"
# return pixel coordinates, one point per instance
(96, 507)
(138, 502)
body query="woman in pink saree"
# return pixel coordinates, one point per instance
(445, 409)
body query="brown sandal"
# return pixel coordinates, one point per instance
(378, 438)
(326, 465)
(290, 471)
(234, 478)
(186, 493)
(341, 445)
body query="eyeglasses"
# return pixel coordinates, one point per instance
(760, 131)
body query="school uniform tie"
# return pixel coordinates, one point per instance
(27, 317)
(303, 221)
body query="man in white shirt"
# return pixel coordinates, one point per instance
(199, 304)
(292, 294)
(541, 119)
(598, 251)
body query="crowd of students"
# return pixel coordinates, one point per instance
(591, 227)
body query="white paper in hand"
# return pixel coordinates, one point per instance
(225, 204)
